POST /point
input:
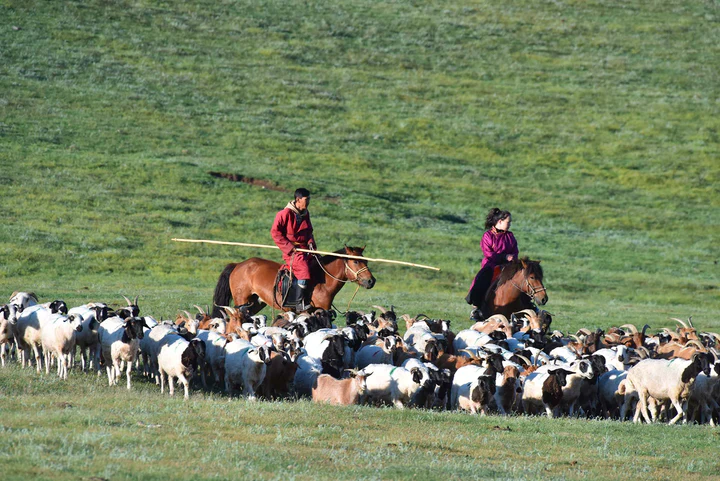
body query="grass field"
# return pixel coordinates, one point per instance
(595, 123)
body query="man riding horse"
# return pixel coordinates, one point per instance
(293, 230)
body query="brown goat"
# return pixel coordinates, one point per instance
(343, 392)
(453, 363)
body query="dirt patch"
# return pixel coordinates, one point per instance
(262, 183)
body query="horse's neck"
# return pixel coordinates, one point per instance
(510, 292)
(333, 271)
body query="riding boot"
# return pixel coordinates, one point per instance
(304, 296)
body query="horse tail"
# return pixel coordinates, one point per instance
(222, 294)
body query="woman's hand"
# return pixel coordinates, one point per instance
(510, 257)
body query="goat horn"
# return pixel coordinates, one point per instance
(200, 309)
(381, 309)
(632, 328)
(695, 343)
(585, 331)
(577, 339)
(135, 301)
(232, 310)
(128, 301)
(690, 322)
(189, 316)
(529, 363)
(679, 321)
(645, 328)
(528, 312)
(469, 353)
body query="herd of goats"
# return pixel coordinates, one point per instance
(516, 365)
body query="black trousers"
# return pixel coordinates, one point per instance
(483, 279)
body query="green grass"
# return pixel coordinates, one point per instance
(595, 123)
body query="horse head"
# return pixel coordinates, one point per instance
(357, 270)
(534, 287)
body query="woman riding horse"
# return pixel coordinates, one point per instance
(499, 247)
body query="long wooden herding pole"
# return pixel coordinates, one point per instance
(263, 246)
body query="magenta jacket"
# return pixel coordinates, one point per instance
(496, 246)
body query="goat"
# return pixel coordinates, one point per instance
(373, 354)
(667, 380)
(23, 300)
(58, 338)
(341, 392)
(553, 387)
(279, 375)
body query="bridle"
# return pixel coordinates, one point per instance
(532, 289)
(347, 268)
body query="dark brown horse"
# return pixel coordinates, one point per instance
(519, 283)
(251, 283)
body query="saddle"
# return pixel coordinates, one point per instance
(286, 292)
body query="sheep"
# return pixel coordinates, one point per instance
(58, 338)
(373, 354)
(473, 387)
(308, 370)
(667, 380)
(28, 332)
(245, 365)
(552, 387)
(23, 300)
(615, 357)
(87, 339)
(329, 348)
(341, 392)
(150, 344)
(703, 394)
(119, 342)
(471, 338)
(393, 385)
(611, 393)
(214, 355)
(179, 359)
(8, 318)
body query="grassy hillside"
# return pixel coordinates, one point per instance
(595, 123)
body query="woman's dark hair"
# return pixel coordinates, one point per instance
(494, 216)
(301, 192)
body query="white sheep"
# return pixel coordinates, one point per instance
(214, 355)
(245, 365)
(119, 343)
(87, 340)
(179, 359)
(616, 357)
(307, 372)
(393, 385)
(58, 339)
(667, 380)
(8, 318)
(23, 300)
(470, 338)
(374, 354)
(28, 332)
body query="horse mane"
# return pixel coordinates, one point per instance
(353, 251)
(512, 268)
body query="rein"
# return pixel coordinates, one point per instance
(347, 268)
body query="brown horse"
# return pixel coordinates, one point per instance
(519, 283)
(251, 283)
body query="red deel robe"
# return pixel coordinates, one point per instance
(292, 229)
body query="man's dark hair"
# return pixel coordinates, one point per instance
(301, 192)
